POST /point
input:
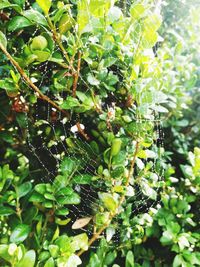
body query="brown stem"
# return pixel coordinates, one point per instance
(57, 39)
(37, 90)
(76, 75)
(29, 82)
(81, 131)
(112, 215)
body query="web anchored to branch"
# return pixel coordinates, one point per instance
(94, 122)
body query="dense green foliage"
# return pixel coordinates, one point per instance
(85, 99)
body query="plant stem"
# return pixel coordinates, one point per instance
(57, 39)
(37, 90)
(76, 75)
(29, 82)
(121, 200)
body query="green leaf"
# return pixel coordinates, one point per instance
(20, 233)
(73, 261)
(40, 188)
(70, 102)
(92, 80)
(24, 189)
(73, 198)
(8, 85)
(42, 55)
(6, 211)
(80, 242)
(82, 179)
(62, 211)
(36, 197)
(35, 16)
(68, 166)
(110, 257)
(7, 4)
(147, 190)
(44, 5)
(50, 263)
(101, 218)
(3, 40)
(137, 10)
(28, 259)
(178, 261)
(54, 250)
(129, 259)
(108, 200)
(4, 253)
(18, 22)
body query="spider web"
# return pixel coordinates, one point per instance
(51, 150)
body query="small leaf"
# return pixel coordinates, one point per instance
(6, 211)
(20, 233)
(44, 5)
(3, 40)
(73, 260)
(80, 242)
(108, 201)
(70, 102)
(130, 259)
(40, 188)
(8, 85)
(28, 259)
(71, 199)
(36, 197)
(80, 223)
(7, 4)
(24, 189)
(137, 10)
(92, 80)
(50, 263)
(4, 252)
(68, 165)
(82, 179)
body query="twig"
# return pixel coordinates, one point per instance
(29, 82)
(76, 75)
(112, 215)
(81, 131)
(37, 90)
(57, 39)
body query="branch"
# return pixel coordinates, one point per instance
(76, 75)
(37, 90)
(112, 215)
(29, 82)
(57, 39)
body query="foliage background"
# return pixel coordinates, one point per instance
(168, 234)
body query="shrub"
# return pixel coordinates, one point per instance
(85, 91)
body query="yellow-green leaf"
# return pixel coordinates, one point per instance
(3, 40)
(44, 5)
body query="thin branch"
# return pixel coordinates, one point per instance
(37, 90)
(76, 75)
(112, 215)
(81, 131)
(57, 39)
(29, 82)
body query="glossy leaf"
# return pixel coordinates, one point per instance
(20, 233)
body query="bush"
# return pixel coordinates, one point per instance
(83, 165)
